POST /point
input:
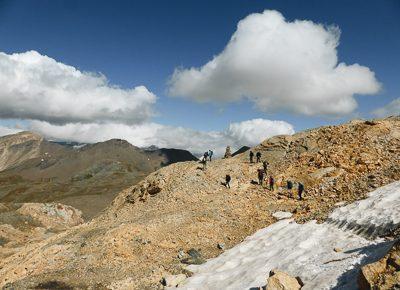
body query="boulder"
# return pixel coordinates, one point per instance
(280, 215)
(221, 246)
(370, 273)
(194, 258)
(173, 280)
(383, 274)
(318, 174)
(279, 280)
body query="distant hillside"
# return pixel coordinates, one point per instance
(17, 148)
(87, 177)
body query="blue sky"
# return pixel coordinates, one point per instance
(141, 43)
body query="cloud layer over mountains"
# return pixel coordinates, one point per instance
(279, 65)
(236, 135)
(61, 102)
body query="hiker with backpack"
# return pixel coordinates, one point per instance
(260, 176)
(210, 154)
(258, 157)
(204, 161)
(300, 190)
(271, 183)
(251, 154)
(289, 186)
(265, 166)
(227, 181)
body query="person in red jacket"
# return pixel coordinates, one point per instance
(271, 183)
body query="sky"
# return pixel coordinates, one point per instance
(195, 74)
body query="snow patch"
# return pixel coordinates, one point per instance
(307, 250)
(371, 217)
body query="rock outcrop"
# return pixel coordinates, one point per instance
(383, 274)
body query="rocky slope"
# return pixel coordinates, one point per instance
(88, 178)
(383, 274)
(22, 224)
(182, 214)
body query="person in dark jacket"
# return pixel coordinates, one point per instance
(204, 162)
(260, 176)
(210, 154)
(265, 166)
(227, 181)
(258, 157)
(300, 190)
(289, 185)
(251, 154)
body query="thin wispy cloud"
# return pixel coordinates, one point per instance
(391, 109)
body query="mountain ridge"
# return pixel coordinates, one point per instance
(37, 170)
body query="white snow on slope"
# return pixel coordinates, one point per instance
(373, 216)
(307, 250)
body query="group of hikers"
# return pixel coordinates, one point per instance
(262, 173)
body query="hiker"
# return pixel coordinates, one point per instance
(205, 155)
(265, 166)
(271, 183)
(251, 156)
(204, 162)
(210, 154)
(258, 156)
(260, 176)
(227, 181)
(289, 185)
(300, 189)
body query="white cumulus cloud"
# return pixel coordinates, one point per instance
(248, 133)
(34, 86)
(391, 109)
(279, 65)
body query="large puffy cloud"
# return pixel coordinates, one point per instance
(391, 109)
(34, 86)
(236, 135)
(279, 65)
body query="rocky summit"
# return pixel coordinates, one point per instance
(181, 213)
